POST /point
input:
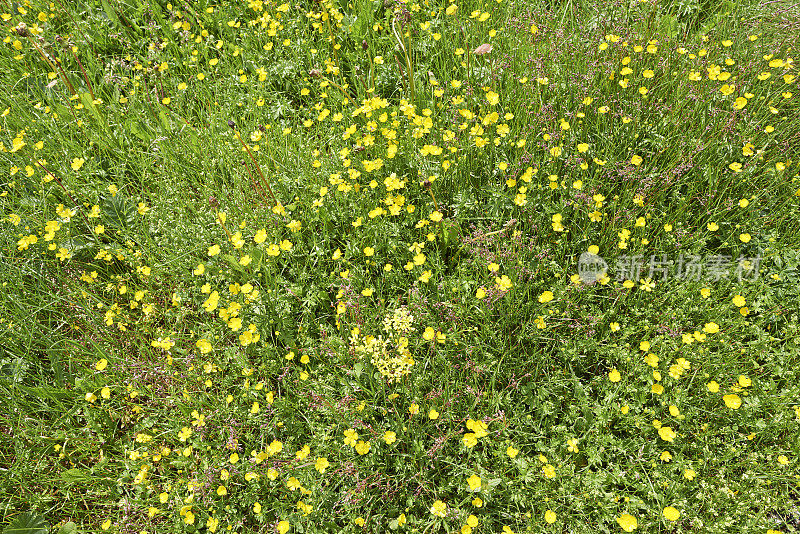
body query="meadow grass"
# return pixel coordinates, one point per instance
(326, 266)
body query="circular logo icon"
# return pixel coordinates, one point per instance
(591, 267)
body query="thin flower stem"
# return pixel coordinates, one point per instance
(53, 65)
(222, 223)
(85, 77)
(254, 182)
(436, 204)
(258, 168)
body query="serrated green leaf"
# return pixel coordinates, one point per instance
(117, 212)
(233, 262)
(27, 523)
(75, 476)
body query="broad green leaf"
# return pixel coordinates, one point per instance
(165, 122)
(47, 392)
(233, 262)
(110, 12)
(117, 212)
(27, 523)
(75, 476)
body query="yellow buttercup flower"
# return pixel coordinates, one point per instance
(362, 447)
(627, 522)
(711, 328)
(439, 509)
(321, 464)
(732, 401)
(667, 434)
(671, 513)
(550, 517)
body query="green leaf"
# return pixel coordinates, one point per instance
(27, 523)
(165, 122)
(88, 104)
(258, 257)
(233, 262)
(159, 16)
(68, 528)
(139, 129)
(117, 212)
(110, 12)
(75, 476)
(285, 337)
(451, 232)
(48, 393)
(82, 249)
(15, 370)
(669, 25)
